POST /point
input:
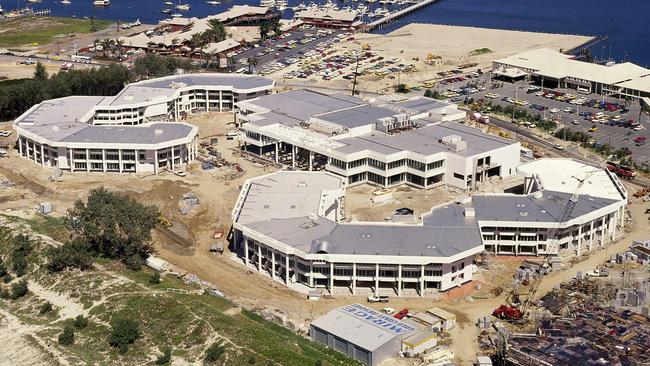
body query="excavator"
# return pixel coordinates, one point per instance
(517, 310)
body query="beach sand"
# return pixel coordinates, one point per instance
(414, 42)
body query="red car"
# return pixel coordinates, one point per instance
(402, 314)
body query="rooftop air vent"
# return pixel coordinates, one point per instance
(523, 213)
(365, 235)
(158, 131)
(129, 97)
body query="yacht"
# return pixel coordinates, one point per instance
(33, 1)
(212, 2)
(281, 4)
(384, 2)
(167, 11)
(102, 2)
(168, 3)
(183, 6)
(371, 1)
(267, 3)
(177, 15)
(300, 7)
(66, 2)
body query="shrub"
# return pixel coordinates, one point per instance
(252, 360)
(7, 278)
(3, 269)
(80, 322)
(214, 352)
(19, 289)
(165, 358)
(155, 278)
(125, 332)
(67, 336)
(72, 254)
(46, 308)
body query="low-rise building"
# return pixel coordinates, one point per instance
(387, 141)
(330, 18)
(364, 334)
(136, 131)
(448, 319)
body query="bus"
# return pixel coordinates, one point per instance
(82, 59)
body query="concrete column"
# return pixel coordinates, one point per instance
(603, 230)
(591, 235)
(311, 160)
(155, 162)
(293, 156)
(354, 278)
(377, 278)
(34, 152)
(331, 277)
(27, 149)
(259, 258)
(120, 164)
(273, 264)
(104, 160)
(422, 280)
(220, 101)
(614, 221)
(286, 269)
(399, 280)
(173, 157)
(622, 216)
(579, 238)
(311, 276)
(276, 152)
(87, 160)
(42, 155)
(207, 101)
(137, 160)
(246, 252)
(71, 162)
(20, 145)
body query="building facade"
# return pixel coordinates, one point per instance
(290, 225)
(384, 141)
(136, 131)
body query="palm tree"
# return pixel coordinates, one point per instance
(232, 63)
(252, 63)
(106, 46)
(119, 43)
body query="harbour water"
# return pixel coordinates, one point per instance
(625, 24)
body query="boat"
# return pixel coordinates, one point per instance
(371, 1)
(66, 2)
(267, 3)
(166, 11)
(168, 3)
(102, 2)
(177, 15)
(212, 2)
(183, 6)
(33, 1)
(300, 7)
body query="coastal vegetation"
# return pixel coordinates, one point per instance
(480, 51)
(40, 30)
(17, 97)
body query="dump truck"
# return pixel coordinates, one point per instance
(506, 312)
(622, 171)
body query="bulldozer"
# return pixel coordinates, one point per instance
(163, 221)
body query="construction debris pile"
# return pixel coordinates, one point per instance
(577, 293)
(187, 203)
(594, 336)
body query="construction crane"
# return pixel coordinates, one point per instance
(517, 310)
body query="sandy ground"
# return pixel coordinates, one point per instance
(9, 69)
(217, 191)
(414, 42)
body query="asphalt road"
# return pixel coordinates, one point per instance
(616, 136)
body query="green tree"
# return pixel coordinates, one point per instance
(72, 254)
(154, 279)
(217, 31)
(67, 336)
(114, 226)
(40, 73)
(19, 289)
(124, 333)
(214, 352)
(80, 322)
(165, 358)
(45, 308)
(401, 88)
(252, 64)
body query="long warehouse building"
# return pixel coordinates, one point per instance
(291, 225)
(135, 131)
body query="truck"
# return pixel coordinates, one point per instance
(377, 298)
(402, 314)
(66, 66)
(598, 272)
(506, 312)
(620, 170)
(480, 118)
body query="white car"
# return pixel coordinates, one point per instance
(568, 110)
(638, 128)
(576, 122)
(539, 94)
(558, 146)
(554, 110)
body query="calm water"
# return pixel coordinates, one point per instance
(626, 24)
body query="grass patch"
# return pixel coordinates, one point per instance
(44, 225)
(480, 51)
(43, 30)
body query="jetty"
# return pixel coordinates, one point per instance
(400, 13)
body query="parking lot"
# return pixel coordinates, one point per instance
(609, 120)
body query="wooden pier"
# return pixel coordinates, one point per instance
(400, 13)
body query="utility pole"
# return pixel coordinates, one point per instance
(354, 81)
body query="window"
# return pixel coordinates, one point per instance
(435, 165)
(416, 165)
(453, 269)
(432, 273)
(376, 164)
(396, 164)
(357, 163)
(459, 176)
(338, 163)
(488, 237)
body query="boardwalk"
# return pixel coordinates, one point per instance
(388, 18)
